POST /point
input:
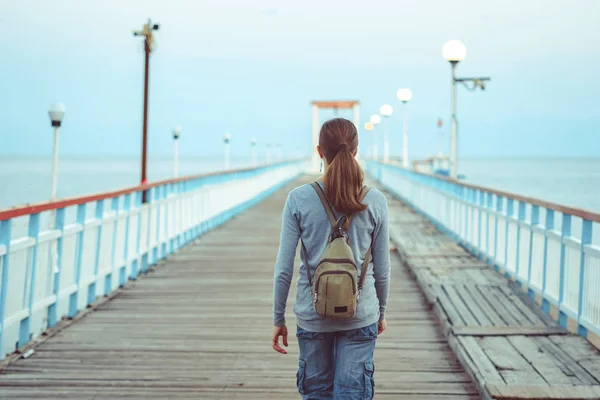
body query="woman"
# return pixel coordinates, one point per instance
(336, 355)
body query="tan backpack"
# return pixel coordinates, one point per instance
(336, 286)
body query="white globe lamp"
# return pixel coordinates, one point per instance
(404, 95)
(454, 51)
(56, 112)
(386, 110)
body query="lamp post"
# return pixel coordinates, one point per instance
(455, 51)
(253, 144)
(404, 95)
(369, 128)
(149, 45)
(176, 135)
(375, 120)
(386, 111)
(226, 140)
(56, 112)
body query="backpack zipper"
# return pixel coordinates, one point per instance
(337, 261)
(335, 273)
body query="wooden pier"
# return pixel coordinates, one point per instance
(198, 326)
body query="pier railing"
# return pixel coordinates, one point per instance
(532, 241)
(57, 257)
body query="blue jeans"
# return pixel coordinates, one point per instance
(337, 365)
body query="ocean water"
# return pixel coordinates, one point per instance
(26, 180)
(572, 182)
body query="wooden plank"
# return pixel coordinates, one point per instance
(447, 306)
(515, 370)
(475, 307)
(523, 306)
(543, 393)
(460, 306)
(480, 360)
(507, 331)
(546, 365)
(479, 295)
(582, 351)
(497, 302)
(567, 363)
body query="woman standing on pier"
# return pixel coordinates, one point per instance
(336, 351)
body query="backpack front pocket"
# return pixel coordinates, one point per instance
(335, 294)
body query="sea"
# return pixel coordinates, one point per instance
(573, 182)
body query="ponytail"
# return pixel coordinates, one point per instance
(344, 181)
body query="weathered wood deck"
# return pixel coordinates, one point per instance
(511, 348)
(199, 326)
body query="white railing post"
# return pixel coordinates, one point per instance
(510, 209)
(518, 249)
(586, 239)
(488, 227)
(565, 233)
(499, 214)
(549, 226)
(535, 221)
(5, 236)
(91, 290)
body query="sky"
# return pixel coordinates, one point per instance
(252, 68)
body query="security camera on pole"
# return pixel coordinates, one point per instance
(176, 135)
(404, 95)
(375, 120)
(386, 111)
(226, 140)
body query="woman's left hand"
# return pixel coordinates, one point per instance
(280, 331)
(381, 327)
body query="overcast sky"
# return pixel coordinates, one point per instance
(253, 67)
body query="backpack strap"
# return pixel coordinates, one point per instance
(365, 265)
(304, 255)
(363, 270)
(326, 205)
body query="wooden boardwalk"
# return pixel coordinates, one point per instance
(199, 327)
(509, 346)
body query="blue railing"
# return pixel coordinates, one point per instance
(531, 241)
(94, 244)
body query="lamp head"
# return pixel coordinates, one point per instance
(227, 137)
(454, 51)
(404, 95)
(368, 126)
(386, 110)
(375, 119)
(176, 132)
(56, 112)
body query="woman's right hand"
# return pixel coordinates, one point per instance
(381, 327)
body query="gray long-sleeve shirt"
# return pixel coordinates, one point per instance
(304, 218)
